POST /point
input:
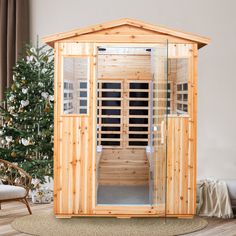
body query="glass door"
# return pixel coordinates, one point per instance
(158, 148)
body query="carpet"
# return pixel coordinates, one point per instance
(45, 224)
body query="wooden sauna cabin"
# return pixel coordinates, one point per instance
(125, 120)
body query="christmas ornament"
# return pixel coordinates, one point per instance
(11, 98)
(13, 87)
(44, 70)
(33, 50)
(24, 103)
(3, 142)
(9, 123)
(37, 64)
(24, 90)
(25, 142)
(46, 109)
(51, 97)
(8, 139)
(13, 154)
(44, 95)
(17, 140)
(29, 59)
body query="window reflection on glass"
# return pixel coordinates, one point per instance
(75, 85)
(178, 78)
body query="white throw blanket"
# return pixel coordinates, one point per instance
(214, 199)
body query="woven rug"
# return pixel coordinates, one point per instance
(46, 224)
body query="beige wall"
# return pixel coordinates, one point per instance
(217, 63)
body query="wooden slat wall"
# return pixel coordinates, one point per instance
(181, 145)
(73, 145)
(179, 170)
(124, 167)
(117, 66)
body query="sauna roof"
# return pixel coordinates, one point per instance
(142, 26)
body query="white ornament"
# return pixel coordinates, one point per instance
(24, 90)
(24, 103)
(25, 142)
(29, 59)
(11, 98)
(11, 109)
(37, 63)
(40, 84)
(44, 70)
(8, 139)
(44, 95)
(33, 50)
(3, 142)
(1, 132)
(51, 97)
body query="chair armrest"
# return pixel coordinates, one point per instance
(13, 175)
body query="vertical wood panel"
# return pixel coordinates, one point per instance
(73, 145)
(193, 114)
(90, 128)
(179, 176)
(56, 134)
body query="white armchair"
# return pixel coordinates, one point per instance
(14, 184)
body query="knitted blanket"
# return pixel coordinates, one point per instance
(214, 199)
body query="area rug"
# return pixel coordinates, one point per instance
(46, 224)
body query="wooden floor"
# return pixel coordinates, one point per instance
(216, 227)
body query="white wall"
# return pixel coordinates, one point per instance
(217, 63)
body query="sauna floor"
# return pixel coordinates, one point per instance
(123, 194)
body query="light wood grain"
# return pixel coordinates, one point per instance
(76, 138)
(136, 24)
(123, 167)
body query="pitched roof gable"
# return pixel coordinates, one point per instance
(202, 41)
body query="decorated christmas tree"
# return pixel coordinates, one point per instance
(26, 128)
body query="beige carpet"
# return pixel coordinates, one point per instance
(48, 225)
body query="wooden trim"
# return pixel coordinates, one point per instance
(131, 22)
(56, 126)
(98, 38)
(194, 115)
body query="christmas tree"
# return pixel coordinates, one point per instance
(26, 131)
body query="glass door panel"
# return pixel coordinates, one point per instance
(159, 126)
